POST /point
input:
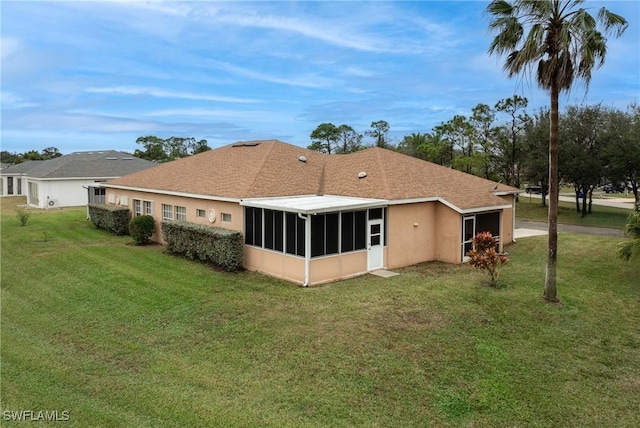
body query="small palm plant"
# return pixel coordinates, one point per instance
(631, 247)
(484, 255)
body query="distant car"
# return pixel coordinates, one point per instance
(533, 189)
(610, 188)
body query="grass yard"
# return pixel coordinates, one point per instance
(119, 335)
(601, 216)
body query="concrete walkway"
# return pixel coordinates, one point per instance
(534, 228)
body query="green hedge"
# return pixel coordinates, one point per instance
(113, 218)
(141, 228)
(221, 247)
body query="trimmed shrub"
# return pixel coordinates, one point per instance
(109, 217)
(141, 228)
(216, 245)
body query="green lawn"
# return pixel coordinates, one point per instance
(601, 216)
(119, 335)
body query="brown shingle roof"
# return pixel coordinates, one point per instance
(272, 168)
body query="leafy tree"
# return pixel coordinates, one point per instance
(482, 118)
(199, 147)
(563, 43)
(379, 132)
(50, 153)
(163, 150)
(11, 158)
(582, 160)
(153, 149)
(414, 145)
(510, 147)
(623, 151)
(324, 138)
(458, 134)
(349, 140)
(32, 155)
(536, 149)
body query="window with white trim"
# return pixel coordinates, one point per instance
(167, 212)
(137, 207)
(201, 213)
(148, 208)
(181, 213)
(226, 217)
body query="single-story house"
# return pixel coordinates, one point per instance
(68, 180)
(312, 218)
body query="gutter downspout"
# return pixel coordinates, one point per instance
(307, 247)
(513, 222)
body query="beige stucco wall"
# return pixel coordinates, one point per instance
(506, 233)
(273, 263)
(191, 204)
(328, 268)
(412, 234)
(448, 234)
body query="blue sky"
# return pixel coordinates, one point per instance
(97, 75)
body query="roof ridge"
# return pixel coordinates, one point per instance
(383, 171)
(258, 171)
(321, 184)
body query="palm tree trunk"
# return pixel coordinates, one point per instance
(550, 283)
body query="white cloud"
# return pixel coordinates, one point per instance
(162, 93)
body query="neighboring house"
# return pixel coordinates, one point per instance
(14, 178)
(69, 180)
(312, 218)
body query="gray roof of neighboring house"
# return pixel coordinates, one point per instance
(89, 164)
(21, 168)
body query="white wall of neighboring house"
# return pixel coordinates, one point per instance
(19, 185)
(59, 193)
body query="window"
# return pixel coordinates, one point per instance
(253, 226)
(201, 213)
(137, 207)
(324, 234)
(273, 230)
(295, 230)
(226, 217)
(471, 225)
(331, 233)
(148, 208)
(181, 213)
(167, 212)
(19, 183)
(9, 185)
(33, 193)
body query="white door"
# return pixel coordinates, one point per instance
(375, 244)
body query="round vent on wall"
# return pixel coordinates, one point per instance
(212, 215)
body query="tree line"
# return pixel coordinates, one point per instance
(15, 158)
(504, 142)
(153, 148)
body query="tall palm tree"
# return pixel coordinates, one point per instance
(562, 42)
